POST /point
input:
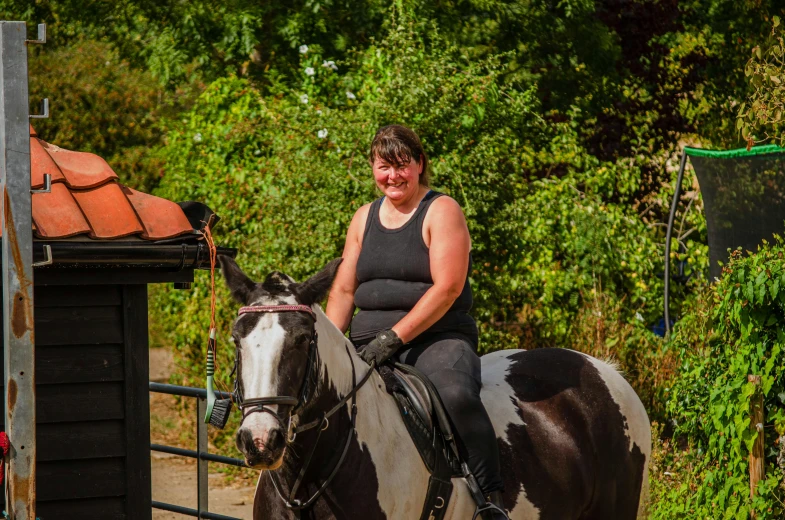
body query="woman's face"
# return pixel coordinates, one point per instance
(397, 183)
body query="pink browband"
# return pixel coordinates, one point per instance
(275, 308)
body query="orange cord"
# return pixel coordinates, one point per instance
(208, 238)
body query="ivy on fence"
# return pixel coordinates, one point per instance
(743, 334)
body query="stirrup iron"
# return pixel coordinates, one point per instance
(489, 506)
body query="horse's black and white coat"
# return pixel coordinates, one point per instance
(574, 438)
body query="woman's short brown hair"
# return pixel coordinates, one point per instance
(397, 145)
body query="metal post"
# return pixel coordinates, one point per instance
(17, 271)
(201, 447)
(671, 218)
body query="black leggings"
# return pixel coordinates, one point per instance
(451, 363)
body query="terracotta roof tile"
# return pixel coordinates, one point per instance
(56, 214)
(81, 169)
(108, 211)
(41, 163)
(86, 199)
(161, 218)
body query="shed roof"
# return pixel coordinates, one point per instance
(87, 200)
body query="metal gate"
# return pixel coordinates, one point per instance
(200, 454)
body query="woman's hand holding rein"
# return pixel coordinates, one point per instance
(381, 348)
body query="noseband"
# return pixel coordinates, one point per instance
(259, 404)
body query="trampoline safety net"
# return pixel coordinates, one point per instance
(743, 199)
(743, 196)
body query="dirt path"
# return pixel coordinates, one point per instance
(174, 482)
(174, 478)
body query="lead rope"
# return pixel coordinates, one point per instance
(222, 412)
(208, 238)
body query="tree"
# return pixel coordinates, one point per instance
(760, 116)
(179, 41)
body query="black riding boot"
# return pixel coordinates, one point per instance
(494, 510)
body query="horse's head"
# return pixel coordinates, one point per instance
(272, 354)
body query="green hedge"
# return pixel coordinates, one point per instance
(737, 331)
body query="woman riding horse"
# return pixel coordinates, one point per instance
(405, 266)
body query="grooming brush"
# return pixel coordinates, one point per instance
(218, 410)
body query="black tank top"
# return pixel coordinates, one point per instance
(394, 272)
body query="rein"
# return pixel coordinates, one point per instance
(259, 404)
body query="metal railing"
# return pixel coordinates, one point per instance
(200, 454)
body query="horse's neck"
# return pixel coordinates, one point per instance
(336, 367)
(382, 436)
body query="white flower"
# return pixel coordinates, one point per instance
(309, 71)
(318, 112)
(329, 65)
(638, 316)
(257, 152)
(303, 49)
(304, 98)
(322, 133)
(350, 95)
(198, 137)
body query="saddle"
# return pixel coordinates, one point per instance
(426, 420)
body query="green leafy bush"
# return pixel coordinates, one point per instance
(552, 226)
(739, 333)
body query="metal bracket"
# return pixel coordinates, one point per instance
(47, 185)
(44, 110)
(41, 34)
(48, 260)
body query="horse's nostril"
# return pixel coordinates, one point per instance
(275, 440)
(245, 440)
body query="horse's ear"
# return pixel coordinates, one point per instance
(315, 288)
(239, 284)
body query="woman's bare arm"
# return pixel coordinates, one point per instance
(340, 303)
(449, 249)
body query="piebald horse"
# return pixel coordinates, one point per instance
(574, 438)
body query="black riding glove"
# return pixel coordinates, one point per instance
(382, 348)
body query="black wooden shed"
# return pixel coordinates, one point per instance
(91, 334)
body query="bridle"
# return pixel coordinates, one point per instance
(297, 404)
(259, 404)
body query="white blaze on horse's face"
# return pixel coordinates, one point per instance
(260, 437)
